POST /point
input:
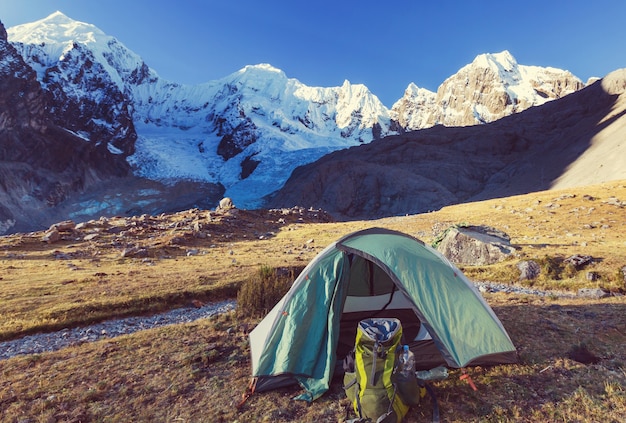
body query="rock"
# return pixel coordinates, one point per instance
(177, 240)
(226, 203)
(592, 293)
(614, 201)
(529, 270)
(81, 226)
(200, 234)
(578, 260)
(51, 236)
(593, 276)
(475, 245)
(134, 252)
(64, 226)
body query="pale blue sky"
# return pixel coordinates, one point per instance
(382, 44)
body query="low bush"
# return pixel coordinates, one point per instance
(551, 268)
(259, 294)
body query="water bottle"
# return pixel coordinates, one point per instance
(438, 373)
(407, 362)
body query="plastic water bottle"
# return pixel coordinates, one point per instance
(438, 373)
(407, 362)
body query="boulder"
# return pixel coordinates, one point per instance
(475, 245)
(593, 276)
(578, 260)
(225, 204)
(65, 226)
(592, 293)
(529, 270)
(51, 236)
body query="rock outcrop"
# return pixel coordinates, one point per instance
(475, 245)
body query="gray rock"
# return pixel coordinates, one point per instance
(90, 237)
(64, 226)
(51, 236)
(592, 293)
(225, 204)
(529, 270)
(578, 260)
(475, 245)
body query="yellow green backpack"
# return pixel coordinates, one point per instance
(371, 381)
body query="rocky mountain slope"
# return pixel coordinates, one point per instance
(575, 141)
(41, 162)
(241, 135)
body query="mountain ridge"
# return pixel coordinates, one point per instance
(241, 135)
(574, 141)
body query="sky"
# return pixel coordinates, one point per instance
(384, 44)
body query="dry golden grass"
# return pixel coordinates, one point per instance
(197, 372)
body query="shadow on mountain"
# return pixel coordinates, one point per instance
(428, 169)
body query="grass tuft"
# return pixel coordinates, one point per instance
(259, 294)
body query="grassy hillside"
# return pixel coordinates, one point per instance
(197, 372)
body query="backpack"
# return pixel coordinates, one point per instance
(377, 391)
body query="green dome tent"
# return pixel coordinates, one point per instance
(374, 273)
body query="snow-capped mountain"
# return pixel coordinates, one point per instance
(246, 131)
(489, 88)
(249, 130)
(82, 68)
(41, 163)
(577, 140)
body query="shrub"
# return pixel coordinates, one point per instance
(551, 268)
(259, 294)
(570, 271)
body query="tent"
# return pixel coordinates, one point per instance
(374, 273)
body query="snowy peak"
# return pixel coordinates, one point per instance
(415, 109)
(500, 63)
(489, 88)
(85, 72)
(53, 39)
(261, 69)
(57, 34)
(56, 29)
(263, 78)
